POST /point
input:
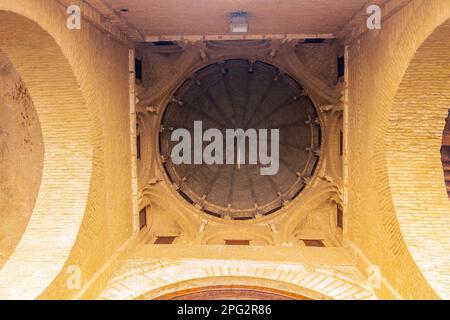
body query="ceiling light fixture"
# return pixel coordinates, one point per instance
(239, 22)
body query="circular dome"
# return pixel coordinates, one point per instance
(252, 96)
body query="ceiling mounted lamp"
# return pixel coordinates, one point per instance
(239, 22)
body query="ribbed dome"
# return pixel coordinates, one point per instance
(246, 95)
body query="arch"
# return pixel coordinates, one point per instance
(223, 287)
(377, 63)
(324, 194)
(65, 124)
(419, 195)
(141, 279)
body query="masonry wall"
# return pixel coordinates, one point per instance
(99, 64)
(395, 221)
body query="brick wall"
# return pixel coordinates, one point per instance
(383, 174)
(414, 161)
(78, 81)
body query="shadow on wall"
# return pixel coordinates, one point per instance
(21, 158)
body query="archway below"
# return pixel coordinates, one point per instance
(147, 279)
(236, 292)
